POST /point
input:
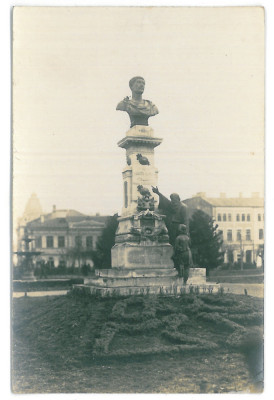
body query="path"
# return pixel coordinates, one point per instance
(253, 289)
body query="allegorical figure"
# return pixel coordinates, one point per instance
(138, 109)
(175, 211)
(182, 256)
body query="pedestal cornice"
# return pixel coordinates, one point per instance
(129, 141)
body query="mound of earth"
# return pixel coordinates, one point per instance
(190, 344)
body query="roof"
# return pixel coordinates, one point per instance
(230, 201)
(65, 214)
(87, 223)
(62, 219)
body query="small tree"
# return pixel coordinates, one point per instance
(80, 254)
(206, 241)
(102, 255)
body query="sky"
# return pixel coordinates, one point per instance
(204, 70)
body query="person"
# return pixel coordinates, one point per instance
(138, 109)
(182, 256)
(175, 211)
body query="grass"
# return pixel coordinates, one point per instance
(58, 342)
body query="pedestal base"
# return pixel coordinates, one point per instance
(123, 282)
(147, 256)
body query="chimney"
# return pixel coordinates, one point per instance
(241, 195)
(222, 195)
(201, 194)
(42, 219)
(53, 208)
(255, 195)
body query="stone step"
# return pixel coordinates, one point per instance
(120, 282)
(136, 273)
(172, 289)
(140, 281)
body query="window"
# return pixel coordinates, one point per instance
(62, 264)
(248, 256)
(229, 235)
(49, 242)
(243, 217)
(78, 241)
(229, 217)
(238, 217)
(50, 261)
(89, 242)
(219, 218)
(259, 217)
(61, 241)
(230, 257)
(224, 217)
(261, 233)
(125, 194)
(248, 234)
(239, 234)
(38, 242)
(248, 217)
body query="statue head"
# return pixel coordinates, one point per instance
(175, 198)
(182, 229)
(137, 84)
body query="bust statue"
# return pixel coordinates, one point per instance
(138, 109)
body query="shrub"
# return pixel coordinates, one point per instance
(178, 337)
(141, 327)
(175, 320)
(107, 334)
(255, 318)
(216, 319)
(118, 310)
(245, 339)
(85, 269)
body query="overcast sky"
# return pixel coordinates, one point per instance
(204, 69)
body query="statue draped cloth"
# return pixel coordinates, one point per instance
(176, 214)
(139, 112)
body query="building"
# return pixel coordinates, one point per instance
(59, 234)
(241, 221)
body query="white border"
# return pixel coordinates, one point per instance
(5, 37)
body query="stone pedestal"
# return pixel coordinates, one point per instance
(141, 257)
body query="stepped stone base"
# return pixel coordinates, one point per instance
(120, 281)
(177, 288)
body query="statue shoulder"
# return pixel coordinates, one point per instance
(123, 105)
(153, 109)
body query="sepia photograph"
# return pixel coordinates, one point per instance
(138, 200)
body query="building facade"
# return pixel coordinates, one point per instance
(62, 237)
(241, 221)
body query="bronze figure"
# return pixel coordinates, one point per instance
(138, 109)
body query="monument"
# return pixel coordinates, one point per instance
(26, 264)
(142, 258)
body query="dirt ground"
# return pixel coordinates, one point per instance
(149, 344)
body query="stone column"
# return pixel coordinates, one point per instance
(140, 170)
(141, 238)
